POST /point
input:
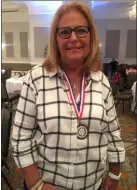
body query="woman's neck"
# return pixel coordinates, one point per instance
(72, 71)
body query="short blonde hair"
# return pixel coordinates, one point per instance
(92, 61)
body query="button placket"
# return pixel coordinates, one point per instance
(72, 154)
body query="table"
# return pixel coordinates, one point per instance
(14, 84)
(134, 94)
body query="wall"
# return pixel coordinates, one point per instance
(102, 26)
(26, 23)
(38, 22)
(10, 17)
(15, 28)
(116, 24)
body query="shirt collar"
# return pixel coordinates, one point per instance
(57, 71)
(94, 75)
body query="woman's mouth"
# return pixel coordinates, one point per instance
(74, 48)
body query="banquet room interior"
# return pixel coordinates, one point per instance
(25, 35)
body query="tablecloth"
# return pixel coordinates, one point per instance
(134, 94)
(14, 84)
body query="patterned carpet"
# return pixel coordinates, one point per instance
(128, 179)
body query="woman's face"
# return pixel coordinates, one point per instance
(73, 49)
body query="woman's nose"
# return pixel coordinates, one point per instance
(73, 36)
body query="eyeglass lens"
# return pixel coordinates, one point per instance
(79, 31)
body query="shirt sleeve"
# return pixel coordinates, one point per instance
(24, 127)
(116, 150)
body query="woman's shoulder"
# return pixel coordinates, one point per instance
(105, 80)
(38, 71)
(100, 76)
(105, 85)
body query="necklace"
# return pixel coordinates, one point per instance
(76, 83)
(74, 86)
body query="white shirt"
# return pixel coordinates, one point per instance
(45, 130)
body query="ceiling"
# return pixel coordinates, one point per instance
(113, 10)
(100, 9)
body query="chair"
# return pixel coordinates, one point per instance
(127, 91)
(6, 74)
(6, 122)
(135, 99)
(121, 85)
(6, 118)
(131, 80)
(9, 98)
(119, 97)
(114, 87)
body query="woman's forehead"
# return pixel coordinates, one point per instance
(72, 18)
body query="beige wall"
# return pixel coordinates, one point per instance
(39, 25)
(116, 24)
(15, 28)
(102, 26)
(45, 20)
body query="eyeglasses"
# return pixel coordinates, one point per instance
(80, 31)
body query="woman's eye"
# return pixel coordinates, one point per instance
(65, 32)
(81, 31)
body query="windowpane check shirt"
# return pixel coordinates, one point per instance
(45, 130)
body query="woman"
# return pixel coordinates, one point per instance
(65, 125)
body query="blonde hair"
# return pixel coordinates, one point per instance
(92, 61)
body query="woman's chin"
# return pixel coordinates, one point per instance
(75, 58)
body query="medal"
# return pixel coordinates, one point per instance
(82, 132)
(79, 111)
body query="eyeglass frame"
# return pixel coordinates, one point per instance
(72, 30)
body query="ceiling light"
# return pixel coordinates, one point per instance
(132, 12)
(3, 45)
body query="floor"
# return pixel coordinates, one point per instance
(128, 178)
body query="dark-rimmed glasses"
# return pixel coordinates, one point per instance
(80, 31)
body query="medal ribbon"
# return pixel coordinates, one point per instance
(82, 95)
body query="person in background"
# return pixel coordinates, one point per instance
(131, 71)
(113, 66)
(66, 128)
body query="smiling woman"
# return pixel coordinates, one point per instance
(66, 128)
(73, 39)
(75, 20)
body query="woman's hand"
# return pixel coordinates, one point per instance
(110, 184)
(49, 187)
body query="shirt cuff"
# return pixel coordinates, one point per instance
(116, 157)
(26, 160)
